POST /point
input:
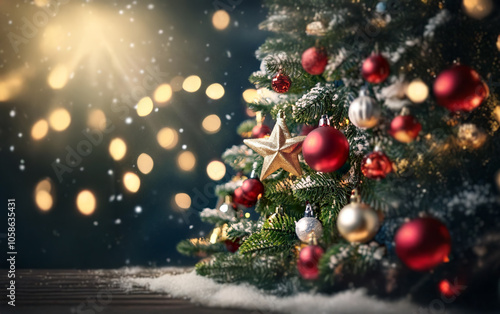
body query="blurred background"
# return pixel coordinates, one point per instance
(113, 117)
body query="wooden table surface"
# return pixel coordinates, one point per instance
(91, 292)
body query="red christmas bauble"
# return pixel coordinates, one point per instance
(306, 129)
(376, 165)
(314, 60)
(325, 149)
(423, 243)
(232, 246)
(240, 199)
(260, 131)
(375, 69)
(405, 128)
(252, 189)
(307, 264)
(460, 88)
(281, 83)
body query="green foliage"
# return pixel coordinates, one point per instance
(246, 126)
(199, 247)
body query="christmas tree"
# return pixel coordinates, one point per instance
(381, 170)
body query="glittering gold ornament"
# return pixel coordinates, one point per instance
(280, 150)
(316, 28)
(470, 136)
(357, 222)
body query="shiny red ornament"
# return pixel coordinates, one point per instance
(232, 246)
(375, 69)
(405, 129)
(325, 149)
(281, 83)
(260, 131)
(314, 60)
(306, 129)
(376, 165)
(460, 88)
(240, 199)
(307, 264)
(252, 189)
(423, 243)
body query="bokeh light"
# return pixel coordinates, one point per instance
(250, 95)
(144, 107)
(191, 84)
(167, 138)
(163, 93)
(211, 124)
(176, 83)
(478, 9)
(39, 129)
(132, 182)
(58, 77)
(221, 19)
(86, 202)
(216, 170)
(96, 120)
(43, 195)
(59, 119)
(417, 91)
(186, 161)
(215, 91)
(145, 163)
(117, 148)
(182, 200)
(41, 3)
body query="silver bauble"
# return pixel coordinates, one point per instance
(357, 222)
(364, 111)
(305, 226)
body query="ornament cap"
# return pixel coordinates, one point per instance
(355, 198)
(253, 174)
(309, 211)
(280, 210)
(324, 121)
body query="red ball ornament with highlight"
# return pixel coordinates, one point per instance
(307, 264)
(260, 131)
(325, 149)
(239, 198)
(232, 246)
(460, 88)
(281, 83)
(423, 243)
(252, 189)
(405, 129)
(375, 69)
(314, 60)
(376, 165)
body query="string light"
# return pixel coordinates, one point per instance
(182, 200)
(186, 161)
(131, 182)
(211, 124)
(191, 84)
(86, 202)
(59, 119)
(215, 91)
(39, 129)
(221, 19)
(167, 138)
(216, 170)
(117, 148)
(145, 163)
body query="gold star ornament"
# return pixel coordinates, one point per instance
(280, 150)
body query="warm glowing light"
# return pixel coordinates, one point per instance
(167, 138)
(86, 202)
(216, 170)
(39, 129)
(176, 83)
(247, 215)
(96, 120)
(186, 161)
(58, 77)
(117, 148)
(221, 19)
(131, 182)
(191, 84)
(44, 185)
(498, 43)
(417, 91)
(250, 95)
(145, 163)
(478, 9)
(211, 124)
(4, 91)
(163, 93)
(144, 106)
(59, 119)
(182, 200)
(215, 91)
(41, 3)
(44, 200)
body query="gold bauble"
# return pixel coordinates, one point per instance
(470, 136)
(357, 222)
